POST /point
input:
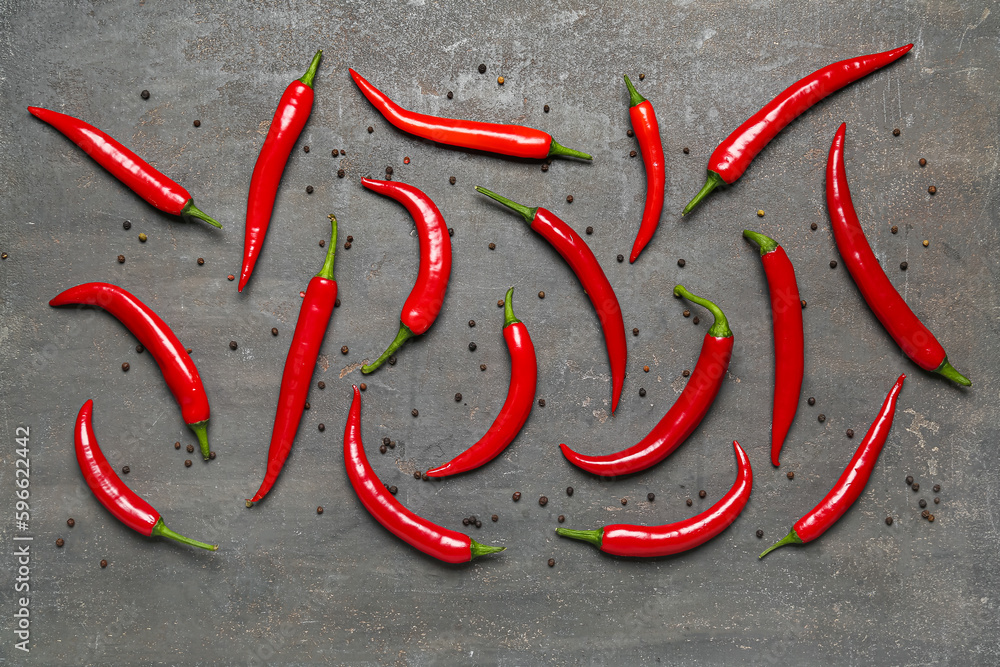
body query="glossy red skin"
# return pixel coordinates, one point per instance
(109, 489)
(123, 164)
(734, 155)
(852, 481)
(441, 543)
(159, 340)
(916, 340)
(286, 126)
(647, 133)
(673, 538)
(680, 421)
(515, 140)
(515, 410)
(314, 317)
(789, 345)
(427, 296)
(588, 271)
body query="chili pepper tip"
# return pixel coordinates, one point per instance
(191, 211)
(527, 213)
(555, 148)
(635, 98)
(947, 370)
(712, 181)
(508, 310)
(401, 337)
(720, 329)
(791, 538)
(201, 430)
(310, 74)
(482, 549)
(160, 529)
(766, 243)
(592, 536)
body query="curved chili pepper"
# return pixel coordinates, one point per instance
(108, 488)
(625, 539)
(852, 481)
(588, 271)
(178, 370)
(916, 340)
(514, 140)
(789, 347)
(737, 151)
(314, 317)
(427, 296)
(647, 133)
(432, 539)
(289, 118)
(125, 165)
(683, 416)
(517, 407)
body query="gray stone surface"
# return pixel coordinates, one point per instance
(290, 587)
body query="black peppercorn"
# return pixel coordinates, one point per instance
(888, 521)
(760, 533)
(482, 68)
(895, 132)
(811, 401)
(415, 412)
(322, 427)
(629, 133)
(569, 490)
(197, 123)
(492, 246)
(70, 523)
(472, 347)
(541, 295)
(894, 229)
(624, 501)
(125, 367)
(144, 95)
(321, 384)
(516, 496)
(621, 258)
(452, 180)
(552, 562)
(382, 449)
(650, 497)
(642, 392)
(833, 263)
(915, 486)
(541, 402)
(790, 475)
(813, 226)
(689, 502)
(319, 510)
(458, 398)
(232, 345)
(681, 263)
(343, 349)
(850, 433)
(450, 95)
(187, 463)
(392, 360)
(569, 199)
(177, 445)
(922, 503)
(821, 418)
(201, 261)
(923, 162)
(635, 331)
(121, 259)
(686, 150)
(543, 501)
(931, 190)
(274, 331)
(126, 470)
(937, 488)
(909, 480)
(341, 173)
(632, 153)
(393, 490)
(495, 518)
(370, 129)
(104, 563)
(561, 518)
(211, 456)
(590, 230)
(190, 449)
(309, 189)
(903, 266)
(545, 108)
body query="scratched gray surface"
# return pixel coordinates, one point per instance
(289, 587)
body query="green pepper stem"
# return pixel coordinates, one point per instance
(310, 74)
(712, 181)
(791, 538)
(720, 329)
(482, 549)
(636, 98)
(947, 370)
(201, 430)
(592, 536)
(527, 213)
(555, 148)
(327, 270)
(508, 310)
(161, 530)
(401, 337)
(191, 211)
(766, 243)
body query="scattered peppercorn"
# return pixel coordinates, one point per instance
(451, 180)
(645, 369)
(803, 303)
(812, 400)
(321, 384)
(760, 213)
(142, 237)
(336, 304)
(895, 132)
(126, 225)
(931, 190)
(197, 123)
(516, 496)
(641, 77)
(479, 524)
(126, 470)
(541, 402)
(930, 517)
(541, 295)
(482, 68)
(451, 231)
(686, 313)
(635, 332)
(144, 95)
(833, 263)
(414, 412)
(650, 497)
(495, 518)
(760, 533)
(888, 521)
(382, 449)
(937, 500)
(903, 266)
(211, 456)
(482, 367)
(821, 418)
(925, 514)
(790, 475)
(569, 199)
(922, 503)
(590, 230)
(393, 490)
(201, 261)
(370, 129)
(545, 108)
(187, 463)
(104, 563)
(689, 502)
(322, 427)
(685, 372)
(319, 510)
(696, 319)
(702, 494)
(343, 152)
(923, 162)
(416, 475)
(686, 150)
(500, 80)
(177, 445)
(363, 387)
(621, 258)
(492, 246)
(125, 367)
(561, 518)
(937, 488)
(915, 486)
(642, 392)
(569, 490)
(813, 226)
(543, 501)
(472, 347)
(894, 229)
(624, 501)
(343, 349)
(392, 360)
(458, 398)
(632, 153)
(545, 166)
(274, 331)
(341, 173)
(552, 562)
(499, 303)
(681, 263)
(190, 449)
(909, 480)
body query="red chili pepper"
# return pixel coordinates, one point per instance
(683, 416)
(286, 126)
(120, 500)
(734, 155)
(314, 316)
(178, 370)
(517, 407)
(623, 539)
(647, 133)
(515, 140)
(427, 296)
(588, 271)
(852, 481)
(126, 166)
(432, 539)
(786, 318)
(916, 340)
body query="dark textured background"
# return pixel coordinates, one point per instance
(288, 587)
